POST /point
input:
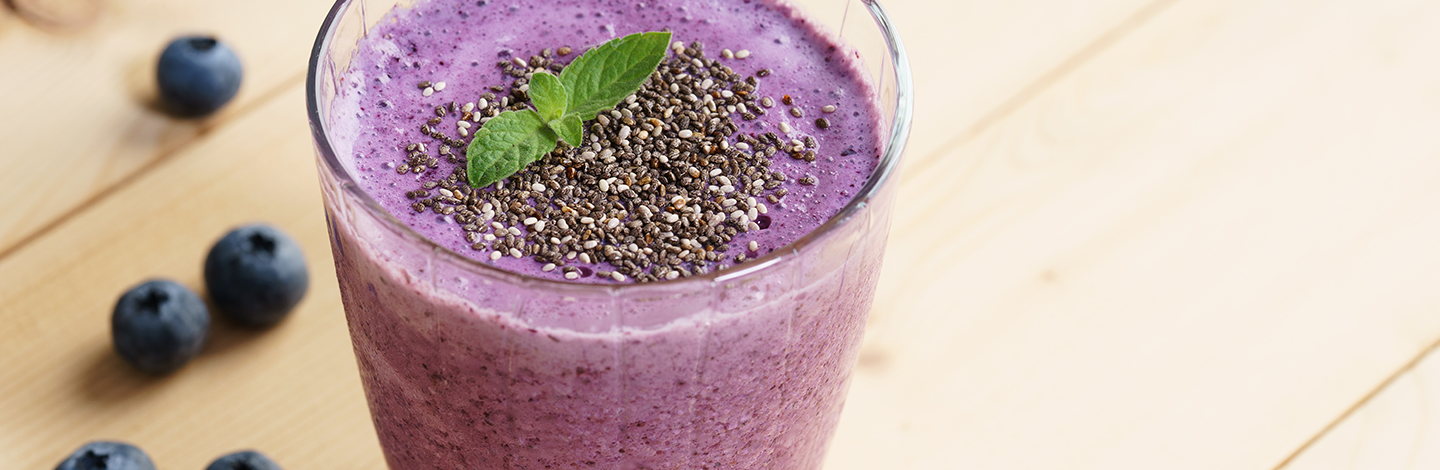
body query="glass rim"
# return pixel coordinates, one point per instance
(884, 171)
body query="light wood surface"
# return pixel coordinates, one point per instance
(81, 104)
(292, 391)
(1130, 234)
(1195, 251)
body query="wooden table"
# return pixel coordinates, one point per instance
(1131, 234)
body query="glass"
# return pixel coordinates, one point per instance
(467, 366)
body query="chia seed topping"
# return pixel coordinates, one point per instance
(663, 184)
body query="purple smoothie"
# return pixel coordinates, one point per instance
(472, 368)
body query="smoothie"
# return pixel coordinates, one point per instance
(532, 365)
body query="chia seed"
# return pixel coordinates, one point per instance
(664, 184)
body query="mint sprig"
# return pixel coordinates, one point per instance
(597, 80)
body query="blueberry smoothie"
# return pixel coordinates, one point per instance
(636, 301)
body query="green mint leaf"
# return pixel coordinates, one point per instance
(570, 128)
(506, 144)
(597, 80)
(548, 96)
(600, 78)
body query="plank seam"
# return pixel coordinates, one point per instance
(1068, 66)
(1385, 384)
(163, 158)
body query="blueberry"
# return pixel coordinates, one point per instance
(255, 275)
(243, 460)
(109, 456)
(158, 326)
(198, 75)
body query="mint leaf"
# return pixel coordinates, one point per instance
(600, 78)
(594, 82)
(548, 96)
(506, 144)
(570, 128)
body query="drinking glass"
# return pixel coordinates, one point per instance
(469, 366)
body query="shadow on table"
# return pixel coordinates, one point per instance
(109, 379)
(226, 335)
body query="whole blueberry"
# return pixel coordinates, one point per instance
(243, 460)
(108, 456)
(256, 274)
(198, 75)
(158, 326)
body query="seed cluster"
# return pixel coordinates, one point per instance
(657, 192)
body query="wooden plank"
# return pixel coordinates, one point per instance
(81, 102)
(292, 392)
(975, 61)
(1196, 251)
(1391, 430)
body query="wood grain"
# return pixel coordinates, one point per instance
(1195, 251)
(80, 103)
(975, 60)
